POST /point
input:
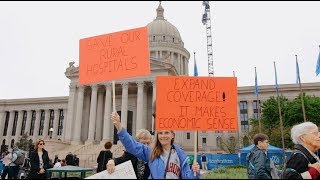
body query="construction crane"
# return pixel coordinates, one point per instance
(207, 21)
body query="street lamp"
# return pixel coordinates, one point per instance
(51, 131)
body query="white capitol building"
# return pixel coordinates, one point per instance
(81, 120)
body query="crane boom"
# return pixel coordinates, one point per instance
(207, 21)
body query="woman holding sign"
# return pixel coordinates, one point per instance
(166, 160)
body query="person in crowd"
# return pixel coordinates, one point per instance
(258, 164)
(303, 163)
(76, 160)
(104, 157)
(39, 161)
(13, 167)
(70, 159)
(63, 162)
(55, 159)
(140, 167)
(166, 160)
(7, 158)
(204, 161)
(57, 164)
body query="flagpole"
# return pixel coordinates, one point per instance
(258, 103)
(301, 93)
(195, 147)
(279, 108)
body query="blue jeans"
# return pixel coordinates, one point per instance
(13, 172)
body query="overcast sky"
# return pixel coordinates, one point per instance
(39, 39)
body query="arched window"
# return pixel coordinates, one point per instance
(218, 141)
(4, 141)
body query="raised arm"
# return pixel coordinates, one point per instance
(134, 147)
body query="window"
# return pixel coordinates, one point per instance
(188, 135)
(42, 116)
(24, 119)
(51, 118)
(14, 128)
(163, 38)
(172, 39)
(244, 116)
(256, 107)
(33, 119)
(6, 124)
(204, 140)
(60, 124)
(154, 38)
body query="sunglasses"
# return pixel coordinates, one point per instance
(41, 144)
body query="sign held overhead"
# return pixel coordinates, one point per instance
(114, 56)
(196, 103)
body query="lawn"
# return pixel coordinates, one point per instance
(228, 172)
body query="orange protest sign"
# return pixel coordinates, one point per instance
(114, 56)
(196, 103)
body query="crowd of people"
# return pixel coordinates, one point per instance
(166, 160)
(303, 163)
(33, 164)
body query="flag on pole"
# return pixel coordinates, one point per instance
(297, 71)
(318, 64)
(256, 90)
(275, 73)
(195, 69)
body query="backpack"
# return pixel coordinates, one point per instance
(20, 159)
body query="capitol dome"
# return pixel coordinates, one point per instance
(161, 27)
(166, 44)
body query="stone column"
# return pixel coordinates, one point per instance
(37, 125)
(139, 120)
(153, 125)
(124, 104)
(107, 115)
(78, 121)
(69, 121)
(93, 114)
(55, 124)
(65, 113)
(99, 116)
(46, 124)
(10, 127)
(28, 122)
(2, 122)
(187, 66)
(19, 124)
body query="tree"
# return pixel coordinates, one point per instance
(229, 144)
(294, 115)
(291, 114)
(24, 142)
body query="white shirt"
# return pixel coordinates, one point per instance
(57, 164)
(40, 159)
(174, 168)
